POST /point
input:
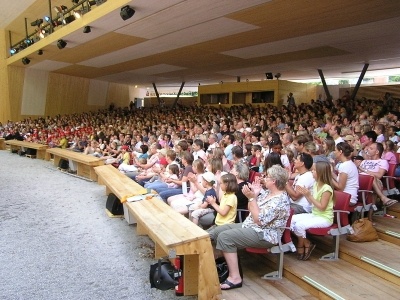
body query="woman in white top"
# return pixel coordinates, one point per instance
(347, 178)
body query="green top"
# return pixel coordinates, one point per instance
(317, 194)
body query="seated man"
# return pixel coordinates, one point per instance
(304, 178)
(375, 166)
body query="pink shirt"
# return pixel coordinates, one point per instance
(390, 157)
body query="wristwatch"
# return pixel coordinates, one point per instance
(251, 199)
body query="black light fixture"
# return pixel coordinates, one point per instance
(38, 22)
(127, 12)
(87, 29)
(40, 52)
(26, 61)
(61, 44)
(75, 1)
(277, 75)
(69, 19)
(92, 2)
(269, 76)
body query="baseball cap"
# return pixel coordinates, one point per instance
(163, 161)
(124, 147)
(349, 137)
(209, 177)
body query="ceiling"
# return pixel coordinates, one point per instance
(207, 41)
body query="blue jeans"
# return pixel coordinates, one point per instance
(166, 193)
(156, 185)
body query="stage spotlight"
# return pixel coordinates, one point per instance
(26, 61)
(87, 29)
(75, 1)
(38, 22)
(29, 42)
(57, 23)
(77, 14)
(278, 75)
(91, 3)
(43, 33)
(14, 51)
(127, 12)
(69, 19)
(40, 52)
(269, 76)
(23, 46)
(61, 44)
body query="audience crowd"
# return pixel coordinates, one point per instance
(210, 163)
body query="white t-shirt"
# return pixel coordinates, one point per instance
(305, 180)
(374, 165)
(351, 186)
(339, 140)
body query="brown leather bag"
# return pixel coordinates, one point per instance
(363, 231)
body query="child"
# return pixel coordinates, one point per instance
(204, 207)
(322, 208)
(255, 157)
(226, 211)
(173, 170)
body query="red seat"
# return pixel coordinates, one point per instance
(389, 185)
(252, 175)
(340, 224)
(389, 179)
(365, 195)
(285, 245)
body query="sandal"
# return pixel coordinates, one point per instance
(300, 255)
(231, 285)
(390, 202)
(310, 248)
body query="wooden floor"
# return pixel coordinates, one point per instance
(364, 271)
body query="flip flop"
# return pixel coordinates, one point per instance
(231, 285)
(390, 203)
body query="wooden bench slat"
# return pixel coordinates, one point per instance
(117, 182)
(40, 148)
(164, 218)
(75, 156)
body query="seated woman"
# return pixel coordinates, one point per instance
(347, 178)
(322, 208)
(268, 211)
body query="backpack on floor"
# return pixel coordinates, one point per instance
(63, 164)
(114, 205)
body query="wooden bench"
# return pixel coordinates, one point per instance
(17, 145)
(173, 235)
(2, 144)
(85, 163)
(120, 185)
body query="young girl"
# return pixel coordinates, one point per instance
(322, 208)
(204, 207)
(173, 171)
(226, 210)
